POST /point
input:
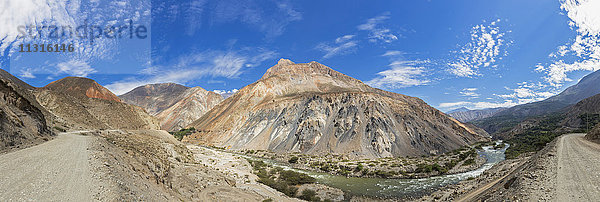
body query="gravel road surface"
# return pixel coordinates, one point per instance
(578, 169)
(58, 170)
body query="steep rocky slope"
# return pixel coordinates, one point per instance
(311, 108)
(473, 115)
(594, 135)
(576, 115)
(22, 119)
(155, 97)
(192, 104)
(586, 87)
(84, 104)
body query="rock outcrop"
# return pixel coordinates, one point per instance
(22, 119)
(84, 104)
(311, 108)
(594, 135)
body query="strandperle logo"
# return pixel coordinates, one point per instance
(86, 31)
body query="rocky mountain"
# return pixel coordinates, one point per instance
(594, 135)
(311, 108)
(155, 97)
(474, 115)
(462, 109)
(82, 104)
(81, 88)
(576, 116)
(192, 104)
(508, 118)
(174, 105)
(22, 120)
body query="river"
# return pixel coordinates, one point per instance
(400, 188)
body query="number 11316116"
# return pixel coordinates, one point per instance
(46, 48)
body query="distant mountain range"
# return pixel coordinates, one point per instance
(174, 105)
(466, 115)
(504, 120)
(307, 108)
(311, 108)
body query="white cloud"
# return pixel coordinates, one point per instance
(221, 92)
(15, 13)
(469, 92)
(228, 64)
(584, 17)
(486, 46)
(75, 68)
(342, 45)
(446, 105)
(173, 76)
(27, 73)
(393, 53)
(476, 105)
(402, 73)
(377, 32)
(525, 92)
(268, 17)
(72, 13)
(344, 38)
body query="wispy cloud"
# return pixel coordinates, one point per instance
(402, 73)
(75, 68)
(528, 92)
(469, 92)
(187, 68)
(486, 46)
(268, 17)
(585, 19)
(27, 73)
(342, 45)
(525, 92)
(377, 32)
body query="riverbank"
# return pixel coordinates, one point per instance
(458, 161)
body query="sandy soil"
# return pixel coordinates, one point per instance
(57, 170)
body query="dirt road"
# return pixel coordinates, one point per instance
(57, 170)
(578, 169)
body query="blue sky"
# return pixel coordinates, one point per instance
(475, 53)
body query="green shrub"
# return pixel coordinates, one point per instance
(295, 178)
(293, 160)
(309, 195)
(183, 132)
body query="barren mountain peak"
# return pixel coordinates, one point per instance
(81, 87)
(284, 61)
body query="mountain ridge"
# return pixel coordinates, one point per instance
(311, 108)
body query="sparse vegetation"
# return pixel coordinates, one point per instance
(60, 129)
(183, 132)
(388, 167)
(294, 159)
(534, 138)
(284, 181)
